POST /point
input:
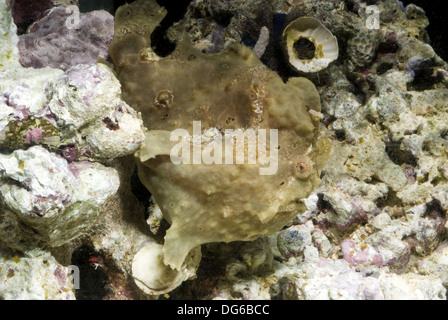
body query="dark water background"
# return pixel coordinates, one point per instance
(438, 26)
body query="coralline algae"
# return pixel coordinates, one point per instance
(48, 45)
(25, 12)
(53, 185)
(34, 275)
(371, 225)
(57, 199)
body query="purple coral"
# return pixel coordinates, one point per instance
(54, 42)
(68, 152)
(33, 136)
(359, 256)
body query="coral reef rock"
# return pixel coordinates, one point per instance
(81, 39)
(34, 275)
(57, 199)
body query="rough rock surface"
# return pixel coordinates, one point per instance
(57, 199)
(65, 38)
(34, 275)
(55, 129)
(26, 12)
